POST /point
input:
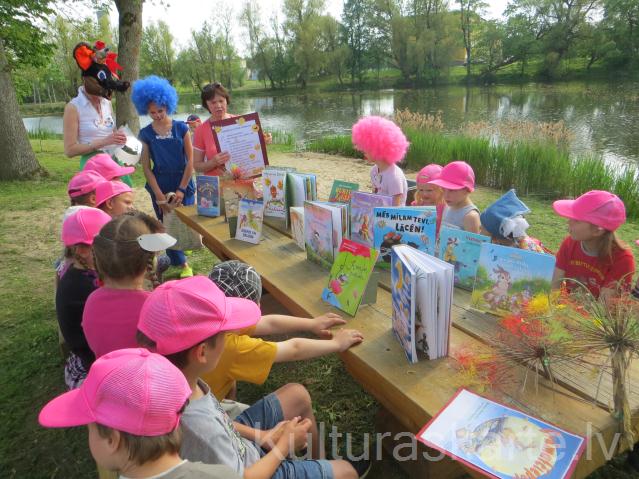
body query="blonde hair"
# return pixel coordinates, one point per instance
(608, 244)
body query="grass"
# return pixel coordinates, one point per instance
(32, 366)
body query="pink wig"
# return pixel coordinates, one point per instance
(380, 139)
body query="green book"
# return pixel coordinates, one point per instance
(342, 191)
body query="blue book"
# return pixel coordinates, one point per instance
(362, 205)
(508, 278)
(461, 249)
(208, 195)
(403, 298)
(414, 226)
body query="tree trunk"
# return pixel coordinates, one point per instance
(130, 37)
(17, 160)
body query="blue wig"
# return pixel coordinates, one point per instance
(154, 89)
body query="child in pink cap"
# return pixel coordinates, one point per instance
(591, 253)
(131, 402)
(125, 254)
(109, 168)
(428, 194)
(458, 181)
(186, 321)
(78, 282)
(384, 145)
(114, 198)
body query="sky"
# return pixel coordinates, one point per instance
(186, 15)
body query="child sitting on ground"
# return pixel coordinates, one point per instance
(591, 253)
(458, 181)
(185, 320)
(504, 222)
(250, 359)
(428, 194)
(107, 167)
(124, 252)
(78, 282)
(114, 198)
(131, 402)
(384, 145)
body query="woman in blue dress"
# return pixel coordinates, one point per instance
(167, 154)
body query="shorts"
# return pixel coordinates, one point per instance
(266, 414)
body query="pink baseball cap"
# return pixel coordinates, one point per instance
(455, 176)
(83, 225)
(130, 390)
(84, 182)
(601, 208)
(108, 189)
(107, 167)
(180, 314)
(428, 173)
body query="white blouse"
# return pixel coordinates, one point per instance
(91, 124)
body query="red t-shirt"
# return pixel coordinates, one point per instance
(592, 271)
(110, 319)
(204, 142)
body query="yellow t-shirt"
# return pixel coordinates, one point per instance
(244, 359)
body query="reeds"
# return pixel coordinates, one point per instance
(281, 137)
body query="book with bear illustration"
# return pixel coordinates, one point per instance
(349, 276)
(508, 278)
(411, 225)
(422, 298)
(461, 249)
(208, 195)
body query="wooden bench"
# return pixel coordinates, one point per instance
(411, 394)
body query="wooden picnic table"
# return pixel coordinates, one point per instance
(411, 394)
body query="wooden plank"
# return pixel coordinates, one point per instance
(413, 392)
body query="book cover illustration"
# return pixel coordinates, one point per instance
(349, 276)
(500, 441)
(362, 205)
(403, 315)
(274, 182)
(297, 225)
(342, 191)
(208, 195)
(461, 249)
(508, 278)
(249, 221)
(414, 226)
(318, 234)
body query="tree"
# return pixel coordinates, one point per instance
(302, 26)
(130, 36)
(157, 55)
(261, 49)
(469, 15)
(356, 18)
(21, 41)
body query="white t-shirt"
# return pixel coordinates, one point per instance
(91, 124)
(389, 182)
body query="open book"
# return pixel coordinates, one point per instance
(422, 295)
(325, 224)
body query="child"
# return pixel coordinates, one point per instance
(592, 254)
(114, 198)
(384, 145)
(75, 286)
(504, 222)
(131, 402)
(167, 144)
(185, 320)
(458, 181)
(107, 167)
(124, 252)
(250, 359)
(430, 195)
(193, 121)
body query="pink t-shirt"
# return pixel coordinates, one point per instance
(389, 182)
(110, 319)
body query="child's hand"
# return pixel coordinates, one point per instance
(267, 439)
(345, 338)
(323, 323)
(294, 435)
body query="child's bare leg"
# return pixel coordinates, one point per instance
(296, 401)
(343, 470)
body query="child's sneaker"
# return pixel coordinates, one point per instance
(186, 272)
(362, 466)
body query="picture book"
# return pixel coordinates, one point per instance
(318, 234)
(508, 278)
(461, 249)
(301, 187)
(275, 203)
(208, 195)
(233, 190)
(342, 191)
(411, 225)
(422, 298)
(362, 204)
(297, 225)
(249, 220)
(501, 442)
(349, 276)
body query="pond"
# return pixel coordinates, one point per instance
(603, 117)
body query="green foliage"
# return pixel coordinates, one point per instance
(20, 36)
